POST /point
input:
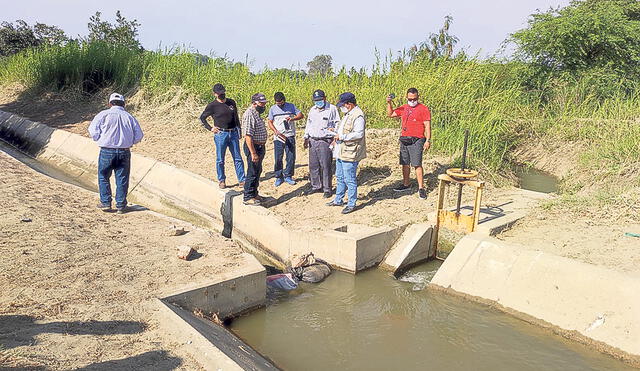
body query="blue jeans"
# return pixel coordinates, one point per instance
(279, 150)
(231, 140)
(117, 160)
(346, 180)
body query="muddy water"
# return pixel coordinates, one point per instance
(374, 322)
(535, 180)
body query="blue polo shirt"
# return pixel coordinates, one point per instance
(278, 115)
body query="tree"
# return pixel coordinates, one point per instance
(15, 38)
(50, 35)
(320, 65)
(585, 35)
(438, 45)
(123, 32)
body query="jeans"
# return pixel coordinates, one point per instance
(254, 170)
(279, 150)
(346, 180)
(116, 160)
(231, 140)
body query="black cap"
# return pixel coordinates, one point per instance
(219, 89)
(318, 95)
(279, 96)
(346, 97)
(258, 97)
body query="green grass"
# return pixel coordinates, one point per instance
(485, 97)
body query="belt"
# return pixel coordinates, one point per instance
(324, 139)
(227, 130)
(115, 149)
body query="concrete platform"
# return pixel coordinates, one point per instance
(413, 247)
(233, 293)
(496, 218)
(230, 295)
(588, 303)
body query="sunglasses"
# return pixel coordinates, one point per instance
(412, 100)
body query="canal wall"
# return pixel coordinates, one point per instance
(588, 303)
(169, 190)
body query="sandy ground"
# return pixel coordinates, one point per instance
(75, 281)
(173, 134)
(179, 139)
(591, 240)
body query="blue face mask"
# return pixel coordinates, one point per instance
(319, 103)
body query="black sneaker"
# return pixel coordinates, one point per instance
(332, 203)
(105, 207)
(312, 191)
(327, 195)
(121, 210)
(422, 193)
(348, 209)
(402, 188)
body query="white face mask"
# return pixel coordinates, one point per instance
(344, 109)
(412, 103)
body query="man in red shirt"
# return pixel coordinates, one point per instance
(415, 137)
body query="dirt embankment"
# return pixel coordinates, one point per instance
(173, 134)
(75, 281)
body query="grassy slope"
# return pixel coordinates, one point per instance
(484, 97)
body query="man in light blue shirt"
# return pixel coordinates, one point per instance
(281, 120)
(318, 136)
(115, 131)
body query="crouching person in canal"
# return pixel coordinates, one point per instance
(255, 137)
(115, 131)
(349, 149)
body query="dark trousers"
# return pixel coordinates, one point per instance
(254, 169)
(320, 158)
(117, 160)
(280, 149)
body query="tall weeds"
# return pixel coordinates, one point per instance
(485, 97)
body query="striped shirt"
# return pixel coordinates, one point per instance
(253, 125)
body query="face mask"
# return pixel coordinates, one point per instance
(344, 109)
(412, 103)
(319, 103)
(222, 96)
(260, 109)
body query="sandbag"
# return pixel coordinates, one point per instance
(282, 281)
(315, 273)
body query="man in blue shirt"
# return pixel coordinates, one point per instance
(115, 131)
(281, 120)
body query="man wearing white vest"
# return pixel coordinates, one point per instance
(350, 148)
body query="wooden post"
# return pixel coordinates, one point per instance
(441, 186)
(476, 206)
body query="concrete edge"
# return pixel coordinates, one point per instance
(548, 290)
(573, 335)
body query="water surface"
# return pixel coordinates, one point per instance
(374, 322)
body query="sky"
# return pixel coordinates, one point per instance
(289, 33)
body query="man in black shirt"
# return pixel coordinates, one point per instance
(226, 130)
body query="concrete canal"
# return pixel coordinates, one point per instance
(371, 321)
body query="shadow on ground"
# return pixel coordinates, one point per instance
(157, 360)
(20, 330)
(375, 175)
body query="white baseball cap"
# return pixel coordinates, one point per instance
(116, 96)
